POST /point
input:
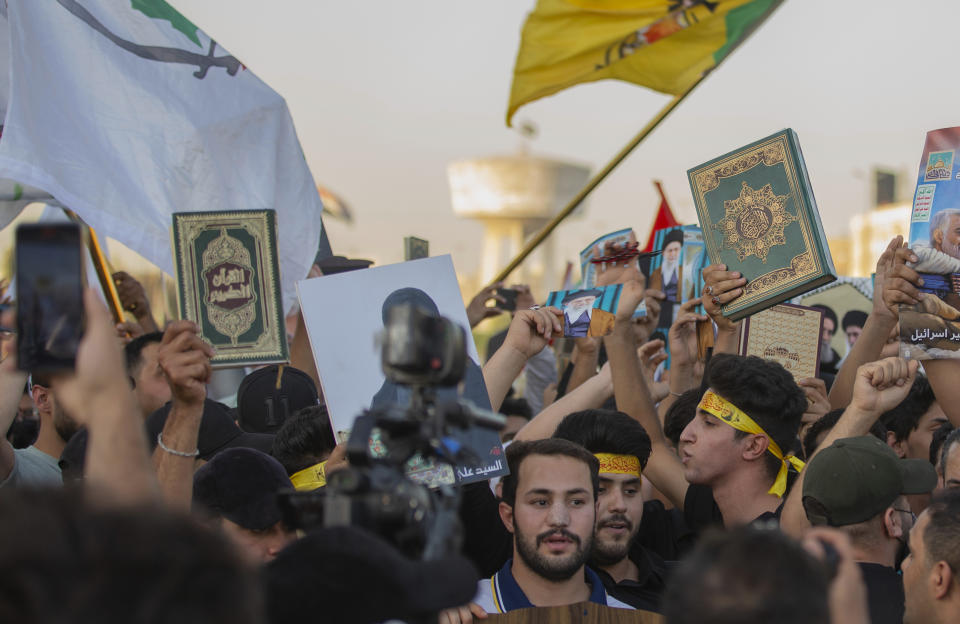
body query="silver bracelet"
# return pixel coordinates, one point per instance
(173, 452)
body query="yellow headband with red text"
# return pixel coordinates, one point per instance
(618, 464)
(727, 412)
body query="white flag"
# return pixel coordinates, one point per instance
(126, 112)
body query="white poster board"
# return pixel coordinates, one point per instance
(344, 313)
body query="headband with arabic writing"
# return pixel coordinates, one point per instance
(310, 478)
(619, 464)
(716, 405)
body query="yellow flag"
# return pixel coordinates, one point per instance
(665, 45)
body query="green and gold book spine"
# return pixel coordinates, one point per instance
(228, 283)
(759, 217)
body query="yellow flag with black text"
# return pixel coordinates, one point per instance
(665, 45)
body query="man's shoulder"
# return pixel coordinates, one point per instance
(33, 467)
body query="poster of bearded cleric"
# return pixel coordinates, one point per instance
(931, 328)
(587, 311)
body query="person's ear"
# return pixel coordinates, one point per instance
(41, 396)
(506, 516)
(896, 445)
(941, 579)
(754, 447)
(892, 523)
(937, 237)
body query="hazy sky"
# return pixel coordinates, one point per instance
(385, 94)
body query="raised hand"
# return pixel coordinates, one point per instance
(817, 402)
(720, 288)
(683, 336)
(133, 298)
(477, 309)
(899, 284)
(531, 330)
(882, 385)
(185, 361)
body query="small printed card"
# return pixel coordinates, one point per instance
(587, 311)
(787, 334)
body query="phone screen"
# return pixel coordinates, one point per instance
(510, 296)
(49, 295)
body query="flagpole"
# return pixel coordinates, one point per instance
(595, 181)
(102, 268)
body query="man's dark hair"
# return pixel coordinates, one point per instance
(951, 439)
(747, 576)
(304, 439)
(680, 413)
(827, 422)
(936, 442)
(905, 417)
(516, 407)
(854, 318)
(133, 351)
(605, 431)
(941, 539)
(827, 313)
(766, 392)
(71, 562)
(555, 447)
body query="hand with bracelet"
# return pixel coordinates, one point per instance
(720, 288)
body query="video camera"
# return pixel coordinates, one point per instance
(422, 352)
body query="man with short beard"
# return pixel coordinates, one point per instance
(37, 464)
(630, 572)
(549, 504)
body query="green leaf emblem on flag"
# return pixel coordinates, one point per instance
(159, 9)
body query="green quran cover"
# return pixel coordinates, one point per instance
(228, 283)
(759, 217)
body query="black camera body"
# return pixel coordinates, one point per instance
(424, 352)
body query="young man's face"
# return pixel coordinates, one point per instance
(951, 471)
(619, 511)
(708, 449)
(258, 547)
(918, 601)
(553, 516)
(917, 444)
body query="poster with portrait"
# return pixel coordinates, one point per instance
(931, 328)
(345, 314)
(588, 268)
(587, 312)
(678, 269)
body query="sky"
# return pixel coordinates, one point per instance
(385, 94)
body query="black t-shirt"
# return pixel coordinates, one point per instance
(700, 510)
(665, 531)
(488, 544)
(884, 593)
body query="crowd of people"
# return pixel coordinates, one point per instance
(723, 490)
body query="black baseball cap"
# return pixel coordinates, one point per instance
(854, 479)
(218, 431)
(262, 407)
(351, 575)
(241, 484)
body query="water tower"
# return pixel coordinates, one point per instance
(514, 196)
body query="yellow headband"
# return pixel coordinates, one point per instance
(619, 464)
(716, 405)
(310, 478)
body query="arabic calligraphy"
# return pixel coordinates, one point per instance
(465, 472)
(925, 334)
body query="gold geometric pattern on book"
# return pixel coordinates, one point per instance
(754, 222)
(228, 271)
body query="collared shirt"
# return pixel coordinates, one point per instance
(501, 592)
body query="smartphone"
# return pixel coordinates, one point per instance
(50, 281)
(510, 299)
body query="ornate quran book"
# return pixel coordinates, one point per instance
(787, 334)
(759, 217)
(228, 283)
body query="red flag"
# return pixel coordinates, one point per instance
(664, 218)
